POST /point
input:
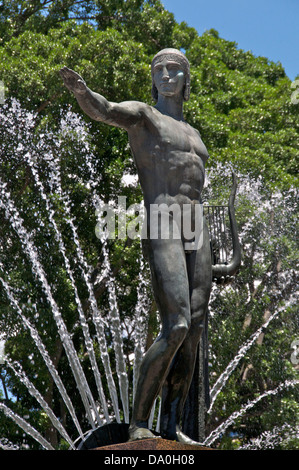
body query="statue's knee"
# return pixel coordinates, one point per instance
(198, 319)
(178, 332)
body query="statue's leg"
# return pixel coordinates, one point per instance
(177, 383)
(171, 288)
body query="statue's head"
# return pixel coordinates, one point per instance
(176, 56)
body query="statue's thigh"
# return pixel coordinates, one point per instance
(199, 269)
(170, 279)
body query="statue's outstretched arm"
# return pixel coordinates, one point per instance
(97, 106)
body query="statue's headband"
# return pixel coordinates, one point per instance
(172, 54)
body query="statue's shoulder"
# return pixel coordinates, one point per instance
(137, 106)
(141, 111)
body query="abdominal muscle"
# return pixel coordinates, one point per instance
(171, 194)
(178, 180)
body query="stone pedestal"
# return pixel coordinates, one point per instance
(156, 444)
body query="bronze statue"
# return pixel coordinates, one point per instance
(170, 158)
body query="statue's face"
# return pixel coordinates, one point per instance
(169, 77)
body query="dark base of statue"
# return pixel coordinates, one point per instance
(115, 436)
(152, 444)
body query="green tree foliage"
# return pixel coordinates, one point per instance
(257, 125)
(241, 104)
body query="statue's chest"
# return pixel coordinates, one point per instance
(166, 143)
(174, 136)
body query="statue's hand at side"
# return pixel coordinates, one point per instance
(73, 81)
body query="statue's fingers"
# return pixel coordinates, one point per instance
(64, 73)
(68, 73)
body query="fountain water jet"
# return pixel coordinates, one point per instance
(237, 414)
(26, 427)
(29, 248)
(270, 439)
(85, 328)
(36, 338)
(18, 371)
(222, 379)
(114, 313)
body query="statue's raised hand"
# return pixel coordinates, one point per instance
(72, 80)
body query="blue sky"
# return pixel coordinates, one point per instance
(268, 28)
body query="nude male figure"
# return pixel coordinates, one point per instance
(170, 158)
